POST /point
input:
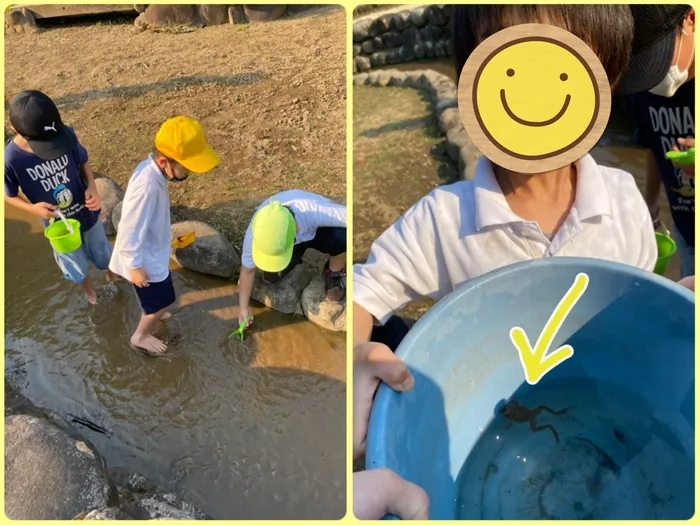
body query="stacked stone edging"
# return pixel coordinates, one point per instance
(442, 92)
(405, 36)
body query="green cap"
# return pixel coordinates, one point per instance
(274, 231)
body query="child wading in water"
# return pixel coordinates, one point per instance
(279, 234)
(47, 163)
(142, 249)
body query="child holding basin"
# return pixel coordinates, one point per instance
(142, 249)
(503, 216)
(48, 165)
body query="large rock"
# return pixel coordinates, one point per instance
(214, 14)
(117, 215)
(284, 295)
(20, 20)
(104, 513)
(236, 15)
(159, 15)
(111, 194)
(141, 499)
(210, 253)
(164, 506)
(49, 475)
(319, 310)
(265, 12)
(360, 30)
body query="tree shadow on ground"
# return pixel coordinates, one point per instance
(75, 100)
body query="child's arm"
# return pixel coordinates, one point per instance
(404, 264)
(136, 214)
(652, 185)
(92, 196)
(247, 277)
(14, 198)
(647, 250)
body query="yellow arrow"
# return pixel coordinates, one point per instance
(537, 362)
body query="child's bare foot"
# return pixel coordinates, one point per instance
(166, 315)
(111, 277)
(92, 298)
(149, 344)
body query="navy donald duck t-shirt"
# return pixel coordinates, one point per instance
(661, 121)
(57, 181)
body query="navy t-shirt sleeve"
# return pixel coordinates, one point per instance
(81, 154)
(11, 185)
(11, 182)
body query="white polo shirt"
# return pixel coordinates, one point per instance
(311, 212)
(464, 230)
(143, 237)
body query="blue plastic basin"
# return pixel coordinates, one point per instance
(625, 446)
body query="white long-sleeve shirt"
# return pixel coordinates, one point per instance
(466, 229)
(143, 237)
(311, 212)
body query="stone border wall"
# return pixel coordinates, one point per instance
(442, 92)
(404, 36)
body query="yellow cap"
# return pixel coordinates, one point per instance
(274, 231)
(182, 139)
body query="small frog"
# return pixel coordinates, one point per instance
(520, 414)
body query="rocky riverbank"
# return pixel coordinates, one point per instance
(53, 473)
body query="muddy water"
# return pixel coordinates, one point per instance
(616, 148)
(241, 430)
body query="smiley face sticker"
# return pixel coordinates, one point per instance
(534, 98)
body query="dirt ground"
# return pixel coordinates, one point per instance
(271, 98)
(396, 161)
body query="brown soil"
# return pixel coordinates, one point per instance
(394, 133)
(271, 98)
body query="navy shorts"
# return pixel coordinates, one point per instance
(156, 296)
(329, 240)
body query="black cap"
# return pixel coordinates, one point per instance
(655, 30)
(36, 118)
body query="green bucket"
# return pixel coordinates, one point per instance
(666, 247)
(60, 237)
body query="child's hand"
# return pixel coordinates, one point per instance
(688, 282)
(374, 362)
(92, 199)
(686, 169)
(139, 278)
(378, 492)
(245, 317)
(44, 210)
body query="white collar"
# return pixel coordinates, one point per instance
(492, 209)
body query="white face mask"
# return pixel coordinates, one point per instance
(674, 79)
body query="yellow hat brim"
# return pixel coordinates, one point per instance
(202, 163)
(272, 263)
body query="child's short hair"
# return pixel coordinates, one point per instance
(607, 29)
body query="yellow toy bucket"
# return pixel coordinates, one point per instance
(64, 235)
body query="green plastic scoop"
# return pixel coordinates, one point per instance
(684, 158)
(240, 331)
